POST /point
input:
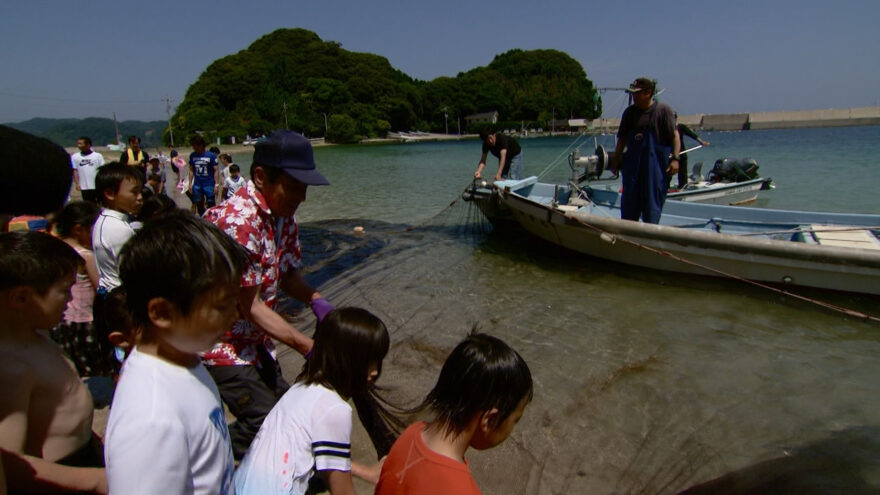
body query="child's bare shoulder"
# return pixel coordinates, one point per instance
(43, 389)
(40, 365)
(16, 366)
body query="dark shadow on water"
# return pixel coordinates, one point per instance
(848, 461)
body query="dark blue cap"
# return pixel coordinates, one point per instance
(292, 152)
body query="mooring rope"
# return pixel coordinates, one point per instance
(614, 237)
(432, 217)
(798, 230)
(556, 161)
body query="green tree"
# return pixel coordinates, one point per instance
(247, 91)
(341, 129)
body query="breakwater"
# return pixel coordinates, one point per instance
(769, 120)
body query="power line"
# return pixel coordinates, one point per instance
(72, 100)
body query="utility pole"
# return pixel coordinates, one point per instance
(446, 119)
(168, 102)
(284, 106)
(325, 124)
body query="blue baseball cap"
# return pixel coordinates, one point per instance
(291, 152)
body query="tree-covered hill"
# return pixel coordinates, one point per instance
(316, 83)
(101, 130)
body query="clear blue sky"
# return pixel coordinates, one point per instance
(90, 58)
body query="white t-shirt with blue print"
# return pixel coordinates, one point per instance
(167, 431)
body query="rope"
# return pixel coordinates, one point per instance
(803, 230)
(432, 217)
(847, 311)
(558, 158)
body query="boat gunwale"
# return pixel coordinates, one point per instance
(715, 240)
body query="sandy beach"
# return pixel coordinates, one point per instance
(184, 149)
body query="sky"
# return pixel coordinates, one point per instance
(65, 59)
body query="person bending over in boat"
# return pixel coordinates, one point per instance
(684, 130)
(508, 152)
(647, 132)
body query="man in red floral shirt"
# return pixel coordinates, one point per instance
(261, 218)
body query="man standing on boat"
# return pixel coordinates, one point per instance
(647, 132)
(508, 152)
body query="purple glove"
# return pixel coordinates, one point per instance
(321, 307)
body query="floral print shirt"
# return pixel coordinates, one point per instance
(274, 250)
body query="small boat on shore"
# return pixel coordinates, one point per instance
(730, 182)
(825, 250)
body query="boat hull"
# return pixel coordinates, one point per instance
(735, 193)
(598, 231)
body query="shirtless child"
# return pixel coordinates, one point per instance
(46, 411)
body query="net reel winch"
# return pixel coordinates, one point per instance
(588, 168)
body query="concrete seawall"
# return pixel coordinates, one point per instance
(769, 120)
(815, 118)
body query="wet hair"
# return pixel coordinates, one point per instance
(156, 206)
(485, 132)
(75, 213)
(87, 139)
(35, 259)
(234, 168)
(347, 341)
(178, 257)
(117, 318)
(111, 176)
(37, 171)
(214, 149)
(197, 140)
(481, 373)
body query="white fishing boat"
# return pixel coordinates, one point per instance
(825, 250)
(722, 193)
(730, 182)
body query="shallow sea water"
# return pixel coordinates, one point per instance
(645, 382)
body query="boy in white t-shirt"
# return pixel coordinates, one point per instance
(234, 182)
(120, 190)
(167, 431)
(85, 166)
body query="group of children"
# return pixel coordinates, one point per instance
(205, 179)
(165, 293)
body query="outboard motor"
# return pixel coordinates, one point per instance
(726, 170)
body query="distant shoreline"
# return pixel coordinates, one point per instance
(799, 119)
(238, 148)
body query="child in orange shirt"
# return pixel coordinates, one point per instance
(481, 394)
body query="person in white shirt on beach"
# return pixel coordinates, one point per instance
(167, 430)
(120, 188)
(85, 165)
(308, 432)
(234, 182)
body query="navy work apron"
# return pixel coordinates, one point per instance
(644, 177)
